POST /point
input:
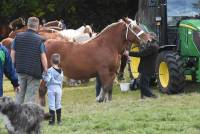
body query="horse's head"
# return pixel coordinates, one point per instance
(134, 32)
(17, 23)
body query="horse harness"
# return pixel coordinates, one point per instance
(130, 27)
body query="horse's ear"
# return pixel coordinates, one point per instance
(23, 21)
(125, 19)
(120, 20)
(84, 24)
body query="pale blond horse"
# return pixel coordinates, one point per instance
(81, 34)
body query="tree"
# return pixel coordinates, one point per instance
(74, 12)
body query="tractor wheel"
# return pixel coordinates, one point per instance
(170, 72)
(134, 63)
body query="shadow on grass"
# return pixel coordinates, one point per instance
(191, 87)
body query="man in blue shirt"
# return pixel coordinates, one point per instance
(6, 67)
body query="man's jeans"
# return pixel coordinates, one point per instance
(29, 87)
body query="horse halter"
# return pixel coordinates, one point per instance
(130, 27)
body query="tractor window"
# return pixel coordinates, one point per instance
(176, 9)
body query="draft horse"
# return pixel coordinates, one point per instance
(98, 56)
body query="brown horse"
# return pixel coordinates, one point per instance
(7, 43)
(4, 31)
(99, 56)
(54, 23)
(17, 23)
(46, 34)
(51, 32)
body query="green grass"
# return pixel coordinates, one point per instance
(126, 114)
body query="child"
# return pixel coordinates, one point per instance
(54, 79)
(147, 53)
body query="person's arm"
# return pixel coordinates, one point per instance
(43, 57)
(148, 50)
(46, 76)
(9, 70)
(12, 53)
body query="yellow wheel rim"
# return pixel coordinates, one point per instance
(134, 63)
(164, 74)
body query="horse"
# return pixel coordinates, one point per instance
(98, 56)
(45, 33)
(50, 32)
(7, 43)
(71, 34)
(4, 31)
(54, 23)
(17, 23)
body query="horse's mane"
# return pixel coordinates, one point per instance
(17, 23)
(107, 28)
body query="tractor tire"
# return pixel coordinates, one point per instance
(170, 72)
(133, 65)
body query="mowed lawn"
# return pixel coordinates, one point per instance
(126, 114)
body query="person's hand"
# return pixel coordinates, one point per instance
(126, 53)
(17, 89)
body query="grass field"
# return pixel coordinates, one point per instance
(126, 114)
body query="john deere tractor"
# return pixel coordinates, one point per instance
(177, 25)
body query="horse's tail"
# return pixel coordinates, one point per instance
(42, 93)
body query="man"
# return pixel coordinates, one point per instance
(6, 67)
(28, 55)
(147, 53)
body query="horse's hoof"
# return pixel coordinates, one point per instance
(99, 100)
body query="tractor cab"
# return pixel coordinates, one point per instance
(164, 16)
(177, 25)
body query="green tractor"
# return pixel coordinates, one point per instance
(177, 25)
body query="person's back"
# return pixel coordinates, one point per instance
(56, 78)
(27, 46)
(28, 54)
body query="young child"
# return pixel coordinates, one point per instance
(54, 79)
(147, 53)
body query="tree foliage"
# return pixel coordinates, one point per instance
(74, 12)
